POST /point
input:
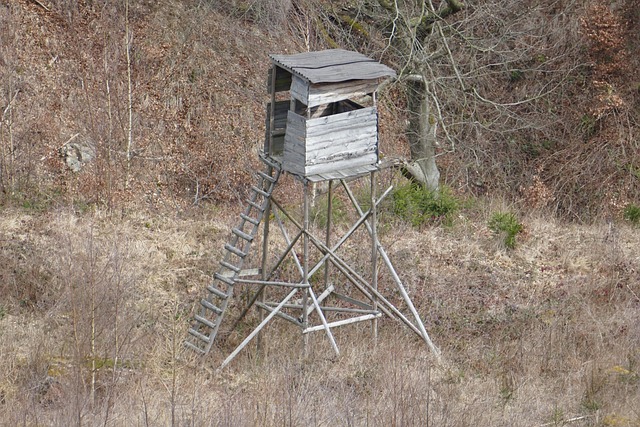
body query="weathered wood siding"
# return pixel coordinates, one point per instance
(327, 144)
(279, 128)
(313, 95)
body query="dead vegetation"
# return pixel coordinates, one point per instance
(98, 279)
(543, 333)
(538, 107)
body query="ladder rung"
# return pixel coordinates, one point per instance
(253, 221)
(242, 235)
(258, 206)
(269, 162)
(210, 306)
(228, 280)
(235, 250)
(230, 266)
(217, 292)
(261, 192)
(198, 335)
(266, 177)
(204, 321)
(194, 347)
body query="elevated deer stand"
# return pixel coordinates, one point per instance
(325, 131)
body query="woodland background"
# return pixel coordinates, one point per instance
(129, 132)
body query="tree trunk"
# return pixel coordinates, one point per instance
(422, 167)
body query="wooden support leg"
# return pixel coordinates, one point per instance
(257, 330)
(305, 265)
(420, 326)
(374, 254)
(265, 251)
(328, 232)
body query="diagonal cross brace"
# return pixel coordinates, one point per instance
(396, 278)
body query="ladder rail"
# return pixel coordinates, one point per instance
(206, 324)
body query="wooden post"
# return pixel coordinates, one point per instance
(305, 266)
(374, 241)
(272, 114)
(265, 248)
(374, 254)
(325, 325)
(328, 232)
(420, 329)
(262, 324)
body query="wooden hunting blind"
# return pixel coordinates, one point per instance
(321, 125)
(328, 128)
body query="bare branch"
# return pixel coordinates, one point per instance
(39, 3)
(387, 5)
(541, 94)
(8, 107)
(130, 94)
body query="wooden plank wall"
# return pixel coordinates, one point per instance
(331, 143)
(294, 159)
(317, 94)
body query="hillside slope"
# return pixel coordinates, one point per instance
(197, 91)
(180, 120)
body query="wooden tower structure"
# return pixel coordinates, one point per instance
(321, 126)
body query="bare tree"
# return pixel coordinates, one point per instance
(478, 76)
(409, 28)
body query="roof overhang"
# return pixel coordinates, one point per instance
(333, 65)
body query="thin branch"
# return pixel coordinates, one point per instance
(70, 139)
(453, 62)
(8, 107)
(540, 94)
(130, 93)
(427, 20)
(418, 78)
(41, 5)
(567, 421)
(633, 293)
(387, 6)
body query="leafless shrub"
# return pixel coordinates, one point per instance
(271, 13)
(507, 89)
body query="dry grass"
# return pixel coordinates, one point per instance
(535, 336)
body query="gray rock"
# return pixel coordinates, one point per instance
(78, 153)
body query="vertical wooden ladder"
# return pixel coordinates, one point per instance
(206, 323)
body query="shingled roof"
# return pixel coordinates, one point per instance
(333, 65)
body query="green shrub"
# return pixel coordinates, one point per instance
(418, 205)
(588, 125)
(36, 200)
(516, 75)
(506, 224)
(632, 214)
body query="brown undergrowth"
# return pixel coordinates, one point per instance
(557, 127)
(538, 335)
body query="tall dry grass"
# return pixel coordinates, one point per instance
(539, 335)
